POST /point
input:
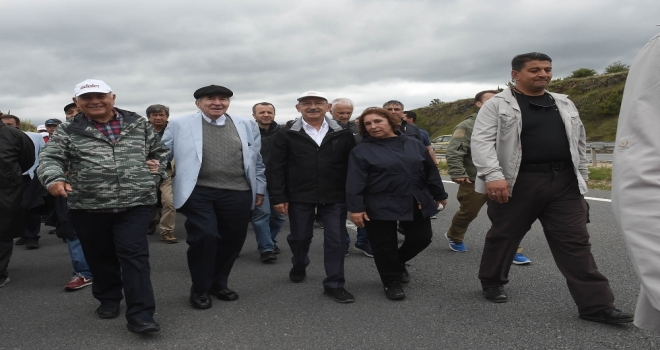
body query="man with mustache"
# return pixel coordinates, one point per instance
(529, 148)
(307, 172)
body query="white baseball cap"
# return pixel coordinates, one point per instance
(318, 94)
(91, 85)
(41, 128)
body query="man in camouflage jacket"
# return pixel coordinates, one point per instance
(463, 172)
(115, 162)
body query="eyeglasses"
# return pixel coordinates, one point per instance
(536, 105)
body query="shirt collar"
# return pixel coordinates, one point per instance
(307, 126)
(218, 121)
(117, 116)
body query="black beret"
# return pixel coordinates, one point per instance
(53, 122)
(69, 106)
(213, 90)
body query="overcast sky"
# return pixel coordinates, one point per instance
(370, 51)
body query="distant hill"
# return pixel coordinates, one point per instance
(598, 99)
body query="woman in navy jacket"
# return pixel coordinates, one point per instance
(391, 177)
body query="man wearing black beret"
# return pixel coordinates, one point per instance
(220, 179)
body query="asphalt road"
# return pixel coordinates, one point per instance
(444, 308)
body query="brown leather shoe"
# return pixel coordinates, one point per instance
(168, 237)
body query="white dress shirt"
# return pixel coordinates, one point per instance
(219, 121)
(316, 135)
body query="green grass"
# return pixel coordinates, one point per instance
(443, 167)
(600, 178)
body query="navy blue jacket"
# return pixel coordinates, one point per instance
(387, 177)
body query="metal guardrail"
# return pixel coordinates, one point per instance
(599, 147)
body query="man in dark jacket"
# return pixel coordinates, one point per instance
(266, 221)
(16, 157)
(308, 165)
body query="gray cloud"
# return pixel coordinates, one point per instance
(160, 52)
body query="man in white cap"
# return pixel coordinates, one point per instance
(41, 129)
(115, 162)
(308, 167)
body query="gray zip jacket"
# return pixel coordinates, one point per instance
(496, 148)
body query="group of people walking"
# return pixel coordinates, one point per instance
(223, 171)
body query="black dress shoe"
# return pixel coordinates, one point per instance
(139, 325)
(32, 243)
(405, 276)
(297, 276)
(225, 294)
(200, 300)
(609, 316)
(394, 291)
(108, 311)
(276, 249)
(268, 256)
(340, 295)
(495, 294)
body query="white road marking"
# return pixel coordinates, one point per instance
(587, 198)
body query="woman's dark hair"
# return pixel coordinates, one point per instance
(362, 130)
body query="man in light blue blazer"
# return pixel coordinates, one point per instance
(219, 180)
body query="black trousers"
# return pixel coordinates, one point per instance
(388, 256)
(555, 200)
(117, 252)
(216, 223)
(6, 248)
(32, 216)
(301, 220)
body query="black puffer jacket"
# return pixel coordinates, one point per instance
(387, 176)
(16, 157)
(302, 171)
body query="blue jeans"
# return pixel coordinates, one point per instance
(362, 237)
(78, 260)
(267, 224)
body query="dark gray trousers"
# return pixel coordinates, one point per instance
(333, 217)
(555, 200)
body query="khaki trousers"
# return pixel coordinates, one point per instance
(471, 202)
(167, 214)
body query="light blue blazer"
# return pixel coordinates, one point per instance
(183, 136)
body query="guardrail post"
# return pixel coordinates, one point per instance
(593, 155)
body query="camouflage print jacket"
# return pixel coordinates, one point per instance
(459, 156)
(103, 175)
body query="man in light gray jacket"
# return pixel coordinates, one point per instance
(532, 141)
(636, 179)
